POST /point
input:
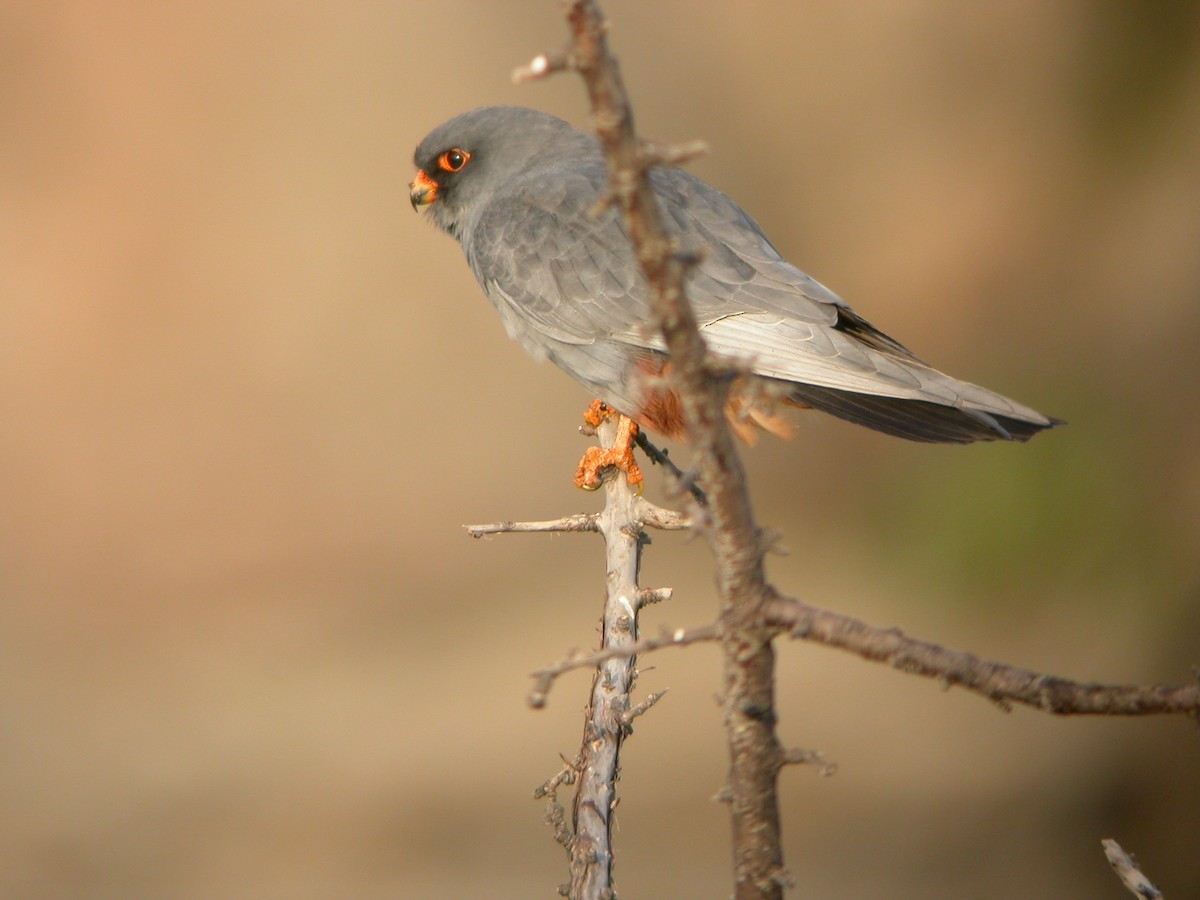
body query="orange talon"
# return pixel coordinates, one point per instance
(597, 412)
(620, 454)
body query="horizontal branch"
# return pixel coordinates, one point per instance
(647, 513)
(999, 682)
(680, 637)
(577, 523)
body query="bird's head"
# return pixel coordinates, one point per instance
(467, 161)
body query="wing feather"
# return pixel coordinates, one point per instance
(563, 279)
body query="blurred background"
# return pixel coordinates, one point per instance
(248, 400)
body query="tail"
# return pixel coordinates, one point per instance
(921, 420)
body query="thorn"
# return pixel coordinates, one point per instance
(768, 542)
(783, 878)
(652, 153)
(632, 713)
(650, 596)
(799, 757)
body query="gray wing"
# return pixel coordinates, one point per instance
(553, 272)
(568, 288)
(558, 275)
(575, 278)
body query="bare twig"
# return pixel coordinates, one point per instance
(641, 709)
(678, 480)
(660, 518)
(800, 757)
(580, 522)
(999, 682)
(1128, 871)
(556, 816)
(540, 66)
(650, 596)
(566, 775)
(644, 513)
(681, 637)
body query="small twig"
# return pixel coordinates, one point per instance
(650, 596)
(542, 65)
(999, 682)
(656, 154)
(629, 715)
(581, 522)
(646, 513)
(660, 518)
(681, 637)
(680, 479)
(556, 815)
(800, 757)
(566, 775)
(1129, 872)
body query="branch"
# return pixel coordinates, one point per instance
(681, 637)
(749, 659)
(581, 522)
(1127, 870)
(999, 682)
(644, 513)
(677, 481)
(609, 709)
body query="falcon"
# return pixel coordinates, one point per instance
(518, 189)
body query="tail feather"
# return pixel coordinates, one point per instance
(918, 420)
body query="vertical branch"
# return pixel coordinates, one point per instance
(609, 714)
(606, 720)
(755, 754)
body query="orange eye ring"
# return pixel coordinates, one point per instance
(453, 160)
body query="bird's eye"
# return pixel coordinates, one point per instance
(453, 160)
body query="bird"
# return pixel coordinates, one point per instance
(519, 189)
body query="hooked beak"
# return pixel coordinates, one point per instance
(422, 191)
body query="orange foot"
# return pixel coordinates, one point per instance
(620, 454)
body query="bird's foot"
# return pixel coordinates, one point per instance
(620, 454)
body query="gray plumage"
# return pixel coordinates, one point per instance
(568, 288)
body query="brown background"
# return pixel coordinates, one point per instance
(247, 399)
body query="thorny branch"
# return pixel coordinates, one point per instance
(681, 637)
(610, 713)
(1001, 683)
(590, 850)
(746, 640)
